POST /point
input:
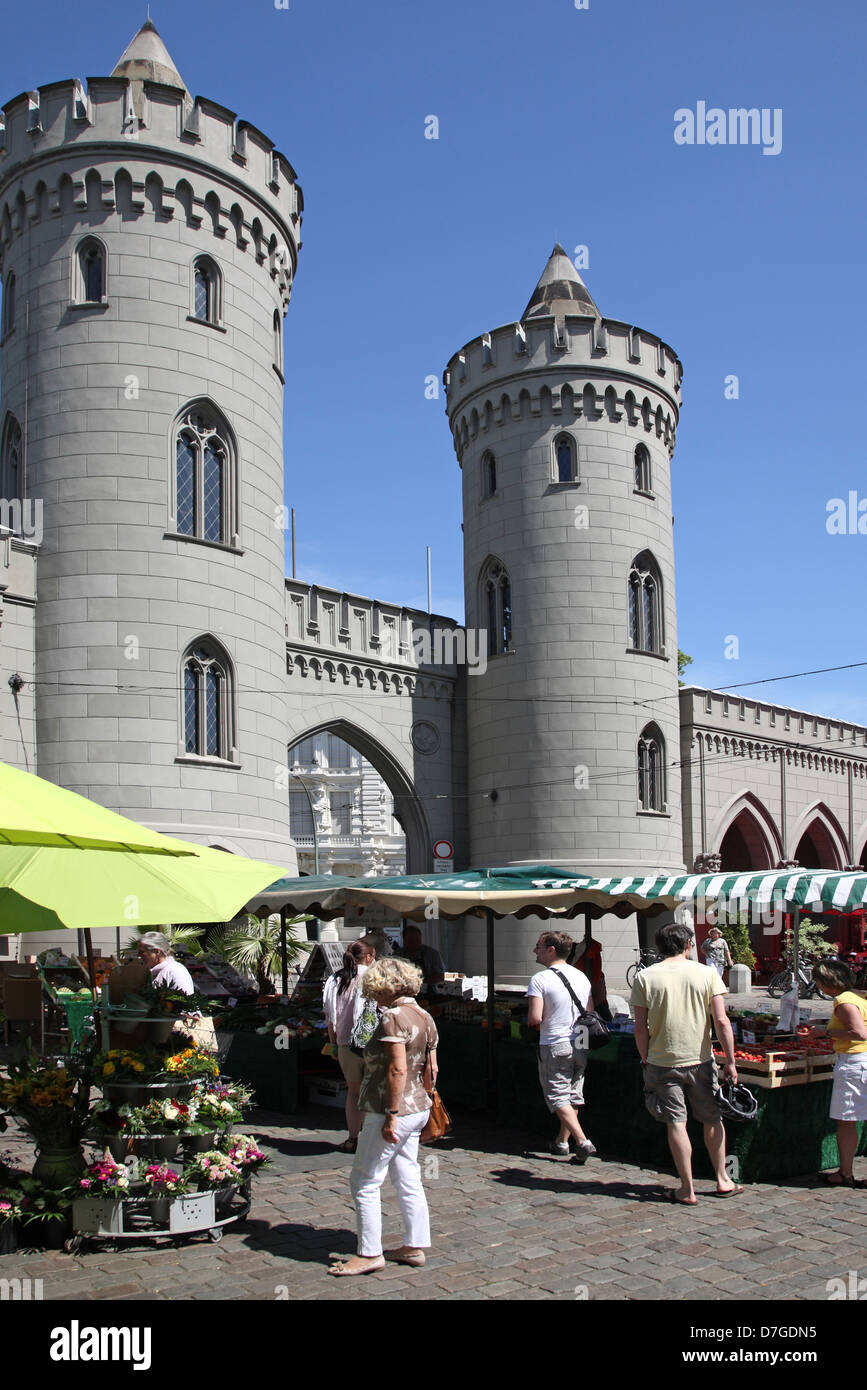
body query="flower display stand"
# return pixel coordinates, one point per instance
(131, 1218)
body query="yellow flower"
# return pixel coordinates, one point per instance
(138, 1066)
(108, 1069)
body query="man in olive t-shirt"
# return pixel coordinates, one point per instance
(674, 1003)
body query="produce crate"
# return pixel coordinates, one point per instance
(775, 1069)
(821, 1065)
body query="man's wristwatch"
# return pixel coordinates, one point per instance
(392, 1112)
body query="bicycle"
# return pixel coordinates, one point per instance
(645, 958)
(783, 981)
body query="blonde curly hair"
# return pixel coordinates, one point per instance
(390, 978)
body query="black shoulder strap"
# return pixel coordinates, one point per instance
(560, 976)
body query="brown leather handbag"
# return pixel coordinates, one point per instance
(438, 1121)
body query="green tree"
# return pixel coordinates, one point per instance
(811, 938)
(252, 947)
(737, 934)
(682, 662)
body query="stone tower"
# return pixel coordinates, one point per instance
(148, 243)
(564, 426)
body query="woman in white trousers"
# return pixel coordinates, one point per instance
(399, 1067)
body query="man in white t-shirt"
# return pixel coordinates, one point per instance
(562, 1060)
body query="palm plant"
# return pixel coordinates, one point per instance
(253, 947)
(185, 938)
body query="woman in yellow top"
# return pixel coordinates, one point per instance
(848, 1029)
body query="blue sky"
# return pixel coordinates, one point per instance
(557, 124)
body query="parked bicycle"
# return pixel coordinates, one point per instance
(645, 958)
(783, 981)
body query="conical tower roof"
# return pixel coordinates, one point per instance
(146, 58)
(560, 291)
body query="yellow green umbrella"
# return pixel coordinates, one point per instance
(36, 812)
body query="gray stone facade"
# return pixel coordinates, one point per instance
(537, 745)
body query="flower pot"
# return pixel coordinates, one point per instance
(8, 1237)
(59, 1167)
(223, 1198)
(200, 1143)
(140, 1092)
(159, 1208)
(150, 1146)
(51, 1232)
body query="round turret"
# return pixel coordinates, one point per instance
(564, 425)
(148, 244)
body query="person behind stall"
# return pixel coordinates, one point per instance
(586, 955)
(400, 1069)
(155, 951)
(848, 1030)
(342, 1002)
(428, 960)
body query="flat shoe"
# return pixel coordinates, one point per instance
(341, 1272)
(415, 1260)
(349, 1146)
(671, 1196)
(734, 1192)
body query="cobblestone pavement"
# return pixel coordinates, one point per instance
(506, 1225)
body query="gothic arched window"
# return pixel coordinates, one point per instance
(208, 702)
(207, 306)
(89, 272)
(565, 470)
(651, 769)
(8, 305)
(489, 474)
(204, 478)
(643, 474)
(11, 461)
(496, 606)
(644, 593)
(278, 341)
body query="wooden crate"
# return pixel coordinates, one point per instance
(821, 1065)
(776, 1069)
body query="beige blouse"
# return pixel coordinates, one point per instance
(404, 1022)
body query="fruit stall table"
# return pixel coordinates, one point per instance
(792, 1135)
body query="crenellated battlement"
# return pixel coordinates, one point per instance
(56, 140)
(569, 368)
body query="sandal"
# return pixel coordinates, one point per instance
(836, 1179)
(732, 1192)
(671, 1196)
(341, 1271)
(416, 1260)
(349, 1146)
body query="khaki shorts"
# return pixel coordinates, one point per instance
(667, 1090)
(351, 1064)
(561, 1075)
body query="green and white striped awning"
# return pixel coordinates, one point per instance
(818, 889)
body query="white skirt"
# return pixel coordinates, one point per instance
(849, 1096)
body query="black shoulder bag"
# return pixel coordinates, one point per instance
(597, 1029)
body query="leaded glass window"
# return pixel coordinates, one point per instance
(651, 769)
(206, 290)
(496, 599)
(207, 707)
(644, 593)
(11, 463)
(564, 458)
(90, 272)
(203, 480)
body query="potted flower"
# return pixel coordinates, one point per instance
(150, 1131)
(216, 1172)
(216, 1110)
(12, 1206)
(162, 1184)
(101, 1189)
(133, 1078)
(50, 1103)
(245, 1154)
(49, 1210)
(190, 1062)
